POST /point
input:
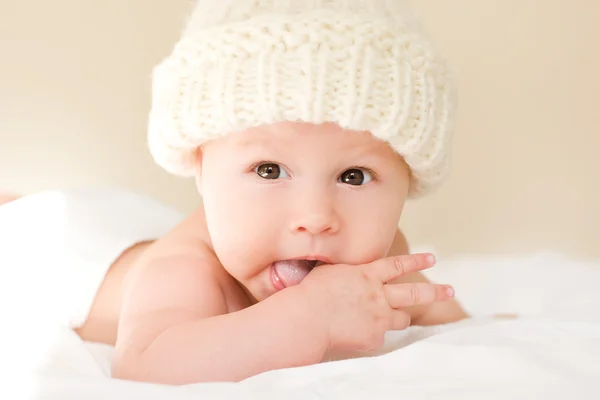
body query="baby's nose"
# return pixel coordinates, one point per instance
(317, 227)
(322, 220)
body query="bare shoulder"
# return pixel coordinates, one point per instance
(178, 279)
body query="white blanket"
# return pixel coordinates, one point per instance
(545, 354)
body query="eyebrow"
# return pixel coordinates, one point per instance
(248, 143)
(364, 151)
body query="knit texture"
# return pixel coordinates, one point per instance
(363, 64)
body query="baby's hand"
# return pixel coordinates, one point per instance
(357, 305)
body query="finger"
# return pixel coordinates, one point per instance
(400, 320)
(387, 269)
(403, 295)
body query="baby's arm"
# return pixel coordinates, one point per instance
(176, 329)
(430, 314)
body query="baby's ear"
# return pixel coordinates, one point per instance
(198, 164)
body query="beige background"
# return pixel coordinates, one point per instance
(74, 95)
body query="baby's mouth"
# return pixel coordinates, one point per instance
(288, 273)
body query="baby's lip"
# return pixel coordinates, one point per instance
(276, 280)
(320, 260)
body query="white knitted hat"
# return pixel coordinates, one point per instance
(363, 64)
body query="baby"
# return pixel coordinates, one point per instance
(307, 125)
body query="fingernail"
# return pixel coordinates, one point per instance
(431, 258)
(450, 291)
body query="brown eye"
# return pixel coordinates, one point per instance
(270, 171)
(355, 177)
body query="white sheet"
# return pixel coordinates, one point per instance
(543, 355)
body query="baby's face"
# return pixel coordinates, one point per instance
(295, 190)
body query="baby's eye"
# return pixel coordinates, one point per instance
(356, 177)
(271, 171)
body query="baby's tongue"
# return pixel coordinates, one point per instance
(291, 272)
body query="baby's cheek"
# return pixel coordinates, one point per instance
(240, 235)
(364, 252)
(368, 245)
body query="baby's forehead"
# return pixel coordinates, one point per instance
(291, 134)
(327, 144)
